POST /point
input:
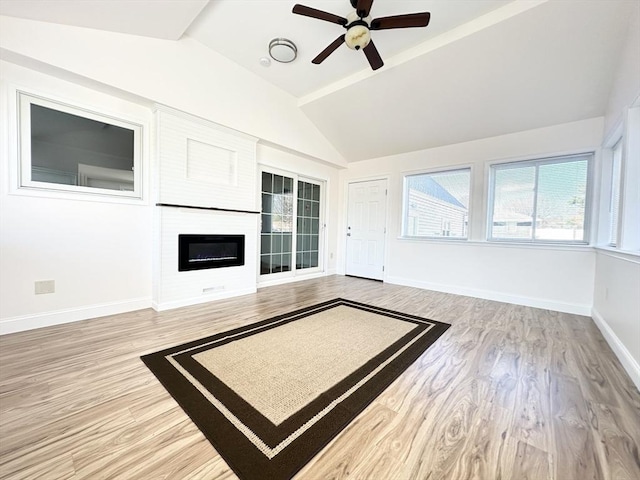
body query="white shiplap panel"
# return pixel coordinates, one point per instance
(207, 184)
(211, 164)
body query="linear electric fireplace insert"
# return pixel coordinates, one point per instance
(197, 252)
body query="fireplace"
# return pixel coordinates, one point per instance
(197, 252)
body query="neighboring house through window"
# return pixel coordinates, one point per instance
(436, 204)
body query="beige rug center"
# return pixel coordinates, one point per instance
(283, 369)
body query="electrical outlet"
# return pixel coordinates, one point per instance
(45, 286)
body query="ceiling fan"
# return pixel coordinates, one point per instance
(359, 25)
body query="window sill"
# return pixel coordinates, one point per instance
(102, 197)
(435, 239)
(500, 244)
(628, 255)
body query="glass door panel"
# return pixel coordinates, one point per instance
(276, 245)
(308, 225)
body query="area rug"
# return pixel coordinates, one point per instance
(270, 395)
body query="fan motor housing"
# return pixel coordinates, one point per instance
(358, 34)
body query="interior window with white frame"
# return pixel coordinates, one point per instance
(543, 201)
(436, 204)
(71, 149)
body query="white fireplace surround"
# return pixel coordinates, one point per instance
(214, 169)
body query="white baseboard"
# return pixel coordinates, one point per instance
(626, 359)
(575, 308)
(187, 302)
(40, 320)
(282, 281)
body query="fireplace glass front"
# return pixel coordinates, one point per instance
(197, 252)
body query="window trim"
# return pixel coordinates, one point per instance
(629, 211)
(538, 161)
(615, 183)
(405, 199)
(24, 183)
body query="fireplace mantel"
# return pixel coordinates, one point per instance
(216, 209)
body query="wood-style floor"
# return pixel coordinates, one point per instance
(508, 392)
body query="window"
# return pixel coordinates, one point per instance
(614, 200)
(281, 235)
(436, 205)
(66, 148)
(540, 201)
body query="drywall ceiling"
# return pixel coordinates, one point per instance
(481, 68)
(166, 19)
(550, 64)
(261, 21)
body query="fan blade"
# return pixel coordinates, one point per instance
(319, 14)
(363, 7)
(401, 21)
(373, 56)
(329, 50)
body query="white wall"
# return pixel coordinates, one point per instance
(626, 85)
(558, 278)
(97, 252)
(181, 74)
(616, 305)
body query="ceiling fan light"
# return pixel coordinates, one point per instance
(282, 50)
(357, 37)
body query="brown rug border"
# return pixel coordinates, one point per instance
(239, 453)
(272, 434)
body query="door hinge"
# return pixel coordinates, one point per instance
(383, 268)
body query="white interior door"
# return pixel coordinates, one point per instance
(366, 222)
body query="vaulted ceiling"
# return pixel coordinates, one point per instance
(481, 68)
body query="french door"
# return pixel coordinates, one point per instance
(291, 233)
